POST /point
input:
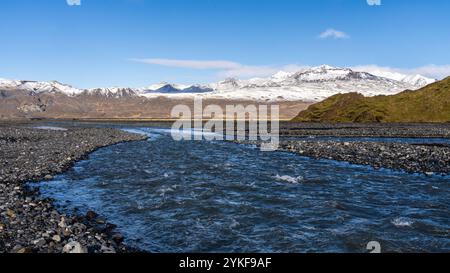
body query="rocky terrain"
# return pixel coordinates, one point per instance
(29, 224)
(26, 105)
(383, 130)
(412, 158)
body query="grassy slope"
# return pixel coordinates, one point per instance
(429, 104)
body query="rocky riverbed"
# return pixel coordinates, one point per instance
(413, 158)
(400, 130)
(409, 157)
(29, 224)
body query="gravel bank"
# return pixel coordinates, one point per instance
(29, 224)
(400, 130)
(398, 156)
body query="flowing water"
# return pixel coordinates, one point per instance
(199, 196)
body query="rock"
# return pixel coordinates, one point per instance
(24, 250)
(67, 232)
(10, 213)
(56, 238)
(62, 223)
(16, 248)
(90, 215)
(78, 228)
(48, 177)
(75, 248)
(107, 250)
(118, 238)
(39, 242)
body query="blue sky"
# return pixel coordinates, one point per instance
(139, 42)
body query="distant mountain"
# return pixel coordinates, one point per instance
(414, 80)
(309, 85)
(428, 104)
(39, 87)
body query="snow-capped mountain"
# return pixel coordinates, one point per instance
(40, 87)
(113, 92)
(310, 85)
(417, 81)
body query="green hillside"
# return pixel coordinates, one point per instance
(429, 104)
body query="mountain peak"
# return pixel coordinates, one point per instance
(324, 67)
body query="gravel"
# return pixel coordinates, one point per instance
(400, 130)
(428, 159)
(29, 224)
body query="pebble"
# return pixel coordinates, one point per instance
(74, 247)
(56, 238)
(24, 215)
(411, 158)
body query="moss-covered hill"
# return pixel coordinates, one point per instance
(429, 104)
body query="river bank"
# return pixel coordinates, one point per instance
(29, 224)
(412, 158)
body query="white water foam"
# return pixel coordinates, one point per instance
(153, 133)
(289, 179)
(402, 222)
(51, 128)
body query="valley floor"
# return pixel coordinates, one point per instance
(29, 224)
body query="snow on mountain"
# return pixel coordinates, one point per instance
(39, 87)
(166, 85)
(416, 81)
(312, 85)
(281, 76)
(113, 92)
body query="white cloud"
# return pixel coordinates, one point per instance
(194, 64)
(73, 2)
(374, 2)
(333, 33)
(226, 68)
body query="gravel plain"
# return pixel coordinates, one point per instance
(29, 224)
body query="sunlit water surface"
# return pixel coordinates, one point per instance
(199, 196)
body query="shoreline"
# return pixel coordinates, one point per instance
(30, 224)
(412, 158)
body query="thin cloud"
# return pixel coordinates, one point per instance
(374, 2)
(226, 68)
(334, 34)
(193, 64)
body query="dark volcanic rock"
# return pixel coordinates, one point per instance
(29, 224)
(410, 158)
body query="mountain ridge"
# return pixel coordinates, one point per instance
(313, 84)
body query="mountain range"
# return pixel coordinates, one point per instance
(309, 85)
(292, 91)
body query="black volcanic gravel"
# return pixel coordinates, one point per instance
(29, 224)
(411, 158)
(401, 130)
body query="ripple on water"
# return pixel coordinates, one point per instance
(168, 196)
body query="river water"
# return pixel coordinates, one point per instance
(199, 196)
